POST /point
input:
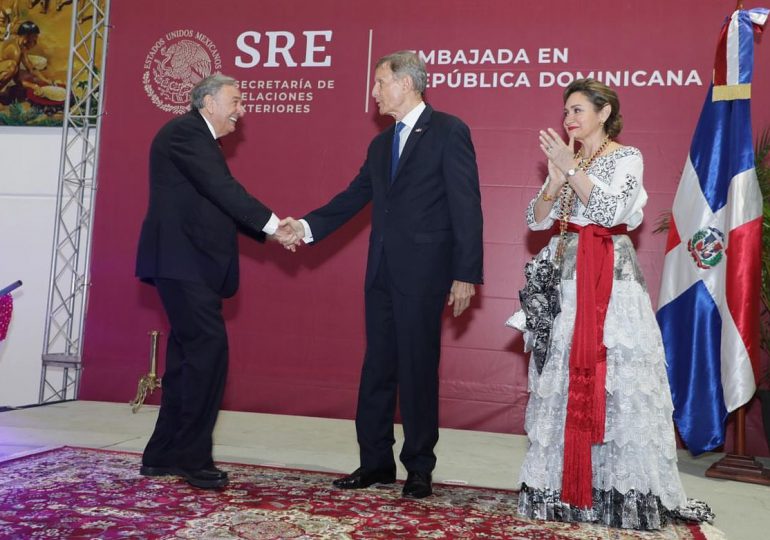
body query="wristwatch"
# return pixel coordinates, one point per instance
(571, 173)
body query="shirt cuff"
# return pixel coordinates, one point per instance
(272, 225)
(308, 233)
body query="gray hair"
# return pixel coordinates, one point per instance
(407, 63)
(209, 86)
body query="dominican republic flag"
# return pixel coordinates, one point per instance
(709, 297)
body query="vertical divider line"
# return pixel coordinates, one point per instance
(368, 73)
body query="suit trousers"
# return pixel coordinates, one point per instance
(403, 335)
(194, 379)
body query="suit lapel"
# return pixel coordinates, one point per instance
(205, 128)
(420, 127)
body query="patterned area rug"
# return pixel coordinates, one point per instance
(83, 493)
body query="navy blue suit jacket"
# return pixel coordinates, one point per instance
(195, 209)
(428, 223)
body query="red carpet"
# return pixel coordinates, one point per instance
(72, 493)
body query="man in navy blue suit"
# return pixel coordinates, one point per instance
(425, 243)
(188, 249)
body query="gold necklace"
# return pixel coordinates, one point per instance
(583, 163)
(567, 197)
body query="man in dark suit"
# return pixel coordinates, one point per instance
(425, 243)
(188, 248)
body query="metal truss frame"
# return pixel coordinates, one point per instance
(69, 277)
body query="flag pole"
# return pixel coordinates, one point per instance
(740, 431)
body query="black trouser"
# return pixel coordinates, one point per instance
(194, 378)
(403, 335)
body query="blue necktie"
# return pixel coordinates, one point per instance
(394, 150)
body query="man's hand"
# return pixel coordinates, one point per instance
(290, 233)
(286, 235)
(460, 296)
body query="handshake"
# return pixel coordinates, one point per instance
(289, 233)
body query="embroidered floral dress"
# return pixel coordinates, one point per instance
(635, 478)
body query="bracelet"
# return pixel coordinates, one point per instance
(547, 198)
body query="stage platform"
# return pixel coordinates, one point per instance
(464, 457)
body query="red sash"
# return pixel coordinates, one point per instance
(588, 360)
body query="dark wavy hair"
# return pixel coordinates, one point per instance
(27, 28)
(600, 95)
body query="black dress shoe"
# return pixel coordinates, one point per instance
(361, 478)
(417, 485)
(204, 478)
(148, 470)
(212, 470)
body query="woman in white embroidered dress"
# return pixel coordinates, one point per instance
(602, 445)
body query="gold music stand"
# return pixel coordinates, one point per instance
(148, 383)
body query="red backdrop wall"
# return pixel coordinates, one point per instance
(296, 325)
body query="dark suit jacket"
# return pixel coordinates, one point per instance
(195, 208)
(428, 223)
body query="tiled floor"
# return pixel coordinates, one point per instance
(475, 458)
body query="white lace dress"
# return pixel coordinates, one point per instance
(635, 478)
